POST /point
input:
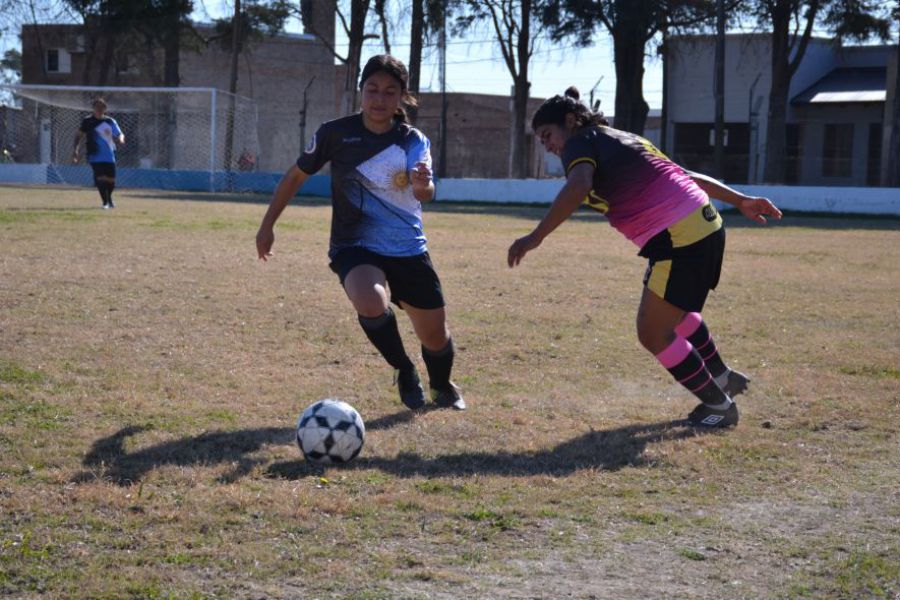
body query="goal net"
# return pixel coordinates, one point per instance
(184, 138)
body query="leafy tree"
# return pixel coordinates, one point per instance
(632, 24)
(516, 27)
(792, 23)
(356, 36)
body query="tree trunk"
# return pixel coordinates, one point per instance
(358, 11)
(416, 33)
(630, 109)
(892, 176)
(776, 140)
(521, 91)
(232, 83)
(172, 78)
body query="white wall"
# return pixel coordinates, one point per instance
(856, 200)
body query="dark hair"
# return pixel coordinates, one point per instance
(385, 63)
(554, 110)
(100, 101)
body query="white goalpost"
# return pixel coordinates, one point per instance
(184, 138)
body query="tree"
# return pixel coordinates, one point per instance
(11, 66)
(426, 18)
(792, 23)
(356, 36)
(892, 176)
(632, 24)
(516, 26)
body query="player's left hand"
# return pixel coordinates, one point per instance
(520, 248)
(757, 209)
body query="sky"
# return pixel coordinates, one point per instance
(475, 64)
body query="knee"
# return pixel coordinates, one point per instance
(653, 339)
(370, 306)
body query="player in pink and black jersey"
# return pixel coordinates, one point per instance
(667, 213)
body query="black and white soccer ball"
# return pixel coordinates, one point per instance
(330, 432)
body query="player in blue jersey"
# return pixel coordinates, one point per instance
(380, 175)
(102, 133)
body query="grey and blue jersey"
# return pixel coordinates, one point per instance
(373, 206)
(101, 135)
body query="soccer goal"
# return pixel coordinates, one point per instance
(175, 138)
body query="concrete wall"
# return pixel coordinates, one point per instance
(274, 73)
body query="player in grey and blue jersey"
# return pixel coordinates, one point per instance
(380, 175)
(102, 133)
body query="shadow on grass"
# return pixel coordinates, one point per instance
(109, 461)
(609, 449)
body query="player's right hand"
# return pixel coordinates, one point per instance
(265, 238)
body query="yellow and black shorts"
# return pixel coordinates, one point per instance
(685, 259)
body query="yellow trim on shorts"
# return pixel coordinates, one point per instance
(659, 277)
(696, 226)
(580, 160)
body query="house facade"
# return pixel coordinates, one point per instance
(838, 116)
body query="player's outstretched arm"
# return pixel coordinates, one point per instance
(287, 188)
(578, 184)
(752, 207)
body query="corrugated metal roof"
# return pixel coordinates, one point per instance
(841, 86)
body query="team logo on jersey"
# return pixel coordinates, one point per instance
(311, 146)
(400, 180)
(709, 213)
(596, 202)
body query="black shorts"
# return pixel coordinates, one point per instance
(684, 276)
(412, 279)
(104, 169)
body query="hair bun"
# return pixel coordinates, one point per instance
(572, 92)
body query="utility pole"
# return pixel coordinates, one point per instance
(442, 49)
(719, 91)
(303, 115)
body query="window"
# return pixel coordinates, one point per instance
(53, 60)
(57, 60)
(837, 150)
(873, 168)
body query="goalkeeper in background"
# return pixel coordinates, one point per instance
(102, 133)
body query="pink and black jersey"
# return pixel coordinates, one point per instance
(635, 185)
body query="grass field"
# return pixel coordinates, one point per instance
(152, 370)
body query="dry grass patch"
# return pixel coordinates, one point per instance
(151, 372)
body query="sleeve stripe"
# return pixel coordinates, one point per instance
(580, 160)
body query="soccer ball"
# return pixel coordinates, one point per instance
(330, 431)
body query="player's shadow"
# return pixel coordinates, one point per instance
(108, 459)
(609, 450)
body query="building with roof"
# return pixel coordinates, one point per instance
(838, 117)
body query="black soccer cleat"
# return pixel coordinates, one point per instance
(410, 387)
(448, 397)
(705, 416)
(733, 382)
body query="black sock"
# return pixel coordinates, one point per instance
(103, 196)
(684, 363)
(695, 331)
(383, 333)
(439, 364)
